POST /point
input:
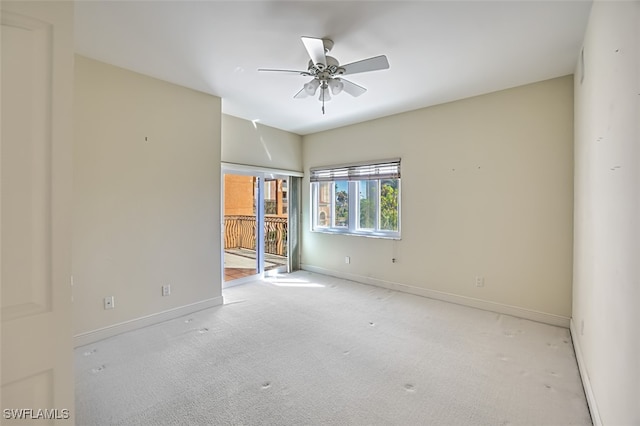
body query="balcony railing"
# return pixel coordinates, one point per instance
(240, 232)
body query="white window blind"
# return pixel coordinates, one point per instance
(383, 169)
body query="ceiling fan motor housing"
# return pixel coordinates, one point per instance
(331, 68)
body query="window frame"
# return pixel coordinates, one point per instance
(353, 174)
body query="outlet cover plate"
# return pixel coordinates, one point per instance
(109, 302)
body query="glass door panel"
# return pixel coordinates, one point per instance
(240, 226)
(276, 223)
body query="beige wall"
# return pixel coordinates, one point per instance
(486, 191)
(606, 292)
(146, 196)
(244, 142)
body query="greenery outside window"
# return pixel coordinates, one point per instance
(357, 199)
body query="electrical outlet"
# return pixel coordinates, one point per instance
(479, 281)
(347, 259)
(109, 302)
(166, 290)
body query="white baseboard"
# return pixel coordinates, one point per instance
(486, 305)
(584, 375)
(112, 330)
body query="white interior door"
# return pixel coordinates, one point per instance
(35, 216)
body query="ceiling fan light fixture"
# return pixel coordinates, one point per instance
(336, 86)
(325, 95)
(311, 87)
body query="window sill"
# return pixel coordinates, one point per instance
(379, 235)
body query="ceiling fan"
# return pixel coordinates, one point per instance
(326, 71)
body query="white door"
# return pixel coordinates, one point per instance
(35, 217)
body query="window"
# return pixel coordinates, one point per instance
(357, 199)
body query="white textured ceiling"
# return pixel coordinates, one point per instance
(438, 51)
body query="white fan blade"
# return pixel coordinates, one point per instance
(371, 64)
(352, 88)
(301, 94)
(305, 73)
(315, 48)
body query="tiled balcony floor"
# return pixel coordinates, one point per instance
(240, 263)
(231, 274)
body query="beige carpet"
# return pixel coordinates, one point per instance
(307, 349)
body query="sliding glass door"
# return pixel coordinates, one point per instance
(255, 231)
